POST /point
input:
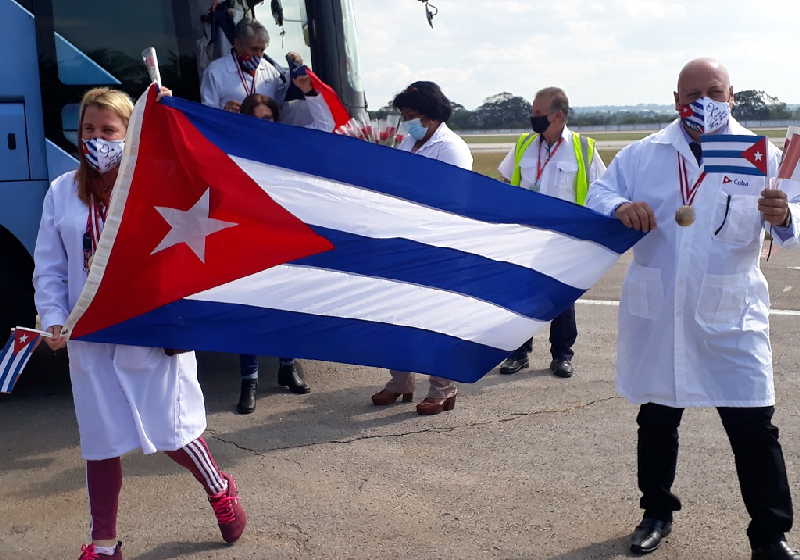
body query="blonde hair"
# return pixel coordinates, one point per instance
(103, 98)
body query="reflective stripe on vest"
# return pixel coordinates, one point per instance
(583, 148)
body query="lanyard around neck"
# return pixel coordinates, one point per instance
(551, 152)
(688, 193)
(252, 89)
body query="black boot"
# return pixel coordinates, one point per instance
(775, 551)
(247, 398)
(289, 377)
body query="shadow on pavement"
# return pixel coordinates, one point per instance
(177, 549)
(617, 547)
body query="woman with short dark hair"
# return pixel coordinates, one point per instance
(425, 109)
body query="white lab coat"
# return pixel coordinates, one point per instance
(443, 145)
(222, 82)
(558, 176)
(126, 397)
(693, 318)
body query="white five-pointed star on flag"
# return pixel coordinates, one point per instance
(190, 226)
(758, 156)
(23, 338)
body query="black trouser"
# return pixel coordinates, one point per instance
(563, 332)
(759, 465)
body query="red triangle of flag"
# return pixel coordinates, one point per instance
(757, 154)
(176, 169)
(23, 338)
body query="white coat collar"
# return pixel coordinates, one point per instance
(441, 134)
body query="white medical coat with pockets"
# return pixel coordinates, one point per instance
(693, 318)
(126, 397)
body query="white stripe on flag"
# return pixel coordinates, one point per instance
(4, 359)
(335, 205)
(340, 294)
(17, 363)
(735, 162)
(727, 146)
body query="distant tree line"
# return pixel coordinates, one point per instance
(506, 110)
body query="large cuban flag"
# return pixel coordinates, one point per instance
(232, 234)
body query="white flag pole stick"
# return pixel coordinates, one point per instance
(150, 60)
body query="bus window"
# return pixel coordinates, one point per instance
(289, 38)
(351, 45)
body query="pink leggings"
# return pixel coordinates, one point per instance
(104, 481)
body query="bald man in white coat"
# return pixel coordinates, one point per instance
(693, 320)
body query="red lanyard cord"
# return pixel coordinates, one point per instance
(550, 153)
(252, 89)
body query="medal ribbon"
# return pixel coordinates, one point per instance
(551, 152)
(688, 193)
(247, 91)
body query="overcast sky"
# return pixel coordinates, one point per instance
(612, 52)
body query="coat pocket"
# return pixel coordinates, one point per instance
(722, 302)
(738, 219)
(643, 291)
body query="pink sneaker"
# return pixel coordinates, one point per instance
(88, 553)
(230, 516)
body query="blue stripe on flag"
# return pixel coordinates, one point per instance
(748, 138)
(514, 287)
(728, 154)
(7, 350)
(26, 355)
(218, 327)
(401, 174)
(733, 169)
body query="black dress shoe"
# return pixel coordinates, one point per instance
(247, 398)
(513, 364)
(562, 368)
(289, 377)
(648, 535)
(775, 551)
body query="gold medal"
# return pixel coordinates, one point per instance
(684, 216)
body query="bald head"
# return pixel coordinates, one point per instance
(703, 77)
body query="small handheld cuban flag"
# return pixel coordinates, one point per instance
(734, 153)
(15, 355)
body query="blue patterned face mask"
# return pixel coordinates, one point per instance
(248, 63)
(415, 128)
(103, 155)
(705, 115)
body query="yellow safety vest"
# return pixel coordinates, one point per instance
(584, 153)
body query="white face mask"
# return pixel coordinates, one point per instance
(103, 155)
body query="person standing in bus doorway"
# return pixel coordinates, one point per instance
(242, 72)
(425, 110)
(555, 161)
(126, 397)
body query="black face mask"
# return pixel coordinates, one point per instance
(539, 124)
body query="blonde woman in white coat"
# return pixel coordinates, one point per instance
(126, 397)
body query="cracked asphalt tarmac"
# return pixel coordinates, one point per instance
(527, 466)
